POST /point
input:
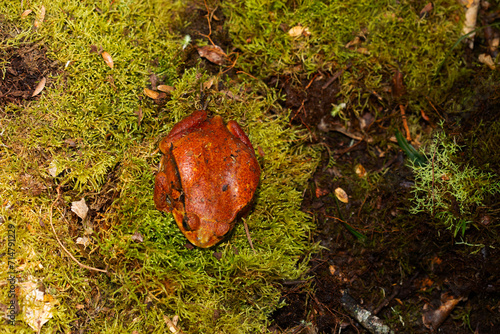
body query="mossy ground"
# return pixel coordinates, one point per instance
(94, 129)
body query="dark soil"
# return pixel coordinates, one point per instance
(407, 266)
(28, 64)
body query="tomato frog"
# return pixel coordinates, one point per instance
(207, 177)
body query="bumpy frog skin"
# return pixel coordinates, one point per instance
(207, 177)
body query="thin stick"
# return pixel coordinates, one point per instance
(238, 72)
(433, 181)
(405, 123)
(59, 241)
(248, 235)
(209, 18)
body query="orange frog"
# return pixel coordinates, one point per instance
(207, 177)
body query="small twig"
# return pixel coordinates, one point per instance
(332, 79)
(233, 64)
(433, 184)
(361, 207)
(369, 321)
(433, 107)
(386, 301)
(350, 148)
(311, 81)
(248, 235)
(209, 18)
(238, 72)
(405, 123)
(59, 241)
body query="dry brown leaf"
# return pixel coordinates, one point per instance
(107, 59)
(26, 13)
(40, 17)
(426, 10)
(165, 88)
(398, 86)
(137, 237)
(80, 208)
(360, 170)
(171, 325)
(38, 305)
(151, 93)
(153, 79)
(487, 60)
(85, 241)
(321, 192)
(140, 115)
(209, 83)
(230, 95)
(213, 53)
(363, 51)
(435, 313)
(39, 87)
(341, 195)
(355, 41)
(469, 24)
(299, 31)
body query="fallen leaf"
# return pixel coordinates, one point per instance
(366, 120)
(360, 170)
(37, 305)
(424, 116)
(26, 13)
(230, 95)
(140, 115)
(332, 269)
(470, 21)
(486, 220)
(80, 208)
(85, 241)
(209, 83)
(426, 10)
(363, 51)
(398, 86)
(299, 31)
(94, 49)
(487, 60)
(40, 17)
(151, 93)
(153, 79)
(171, 326)
(165, 88)
(107, 59)
(54, 168)
(354, 42)
(137, 237)
(341, 195)
(321, 192)
(39, 87)
(213, 53)
(434, 315)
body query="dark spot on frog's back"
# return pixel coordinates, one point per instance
(224, 187)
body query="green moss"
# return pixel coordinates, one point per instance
(449, 189)
(393, 36)
(85, 124)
